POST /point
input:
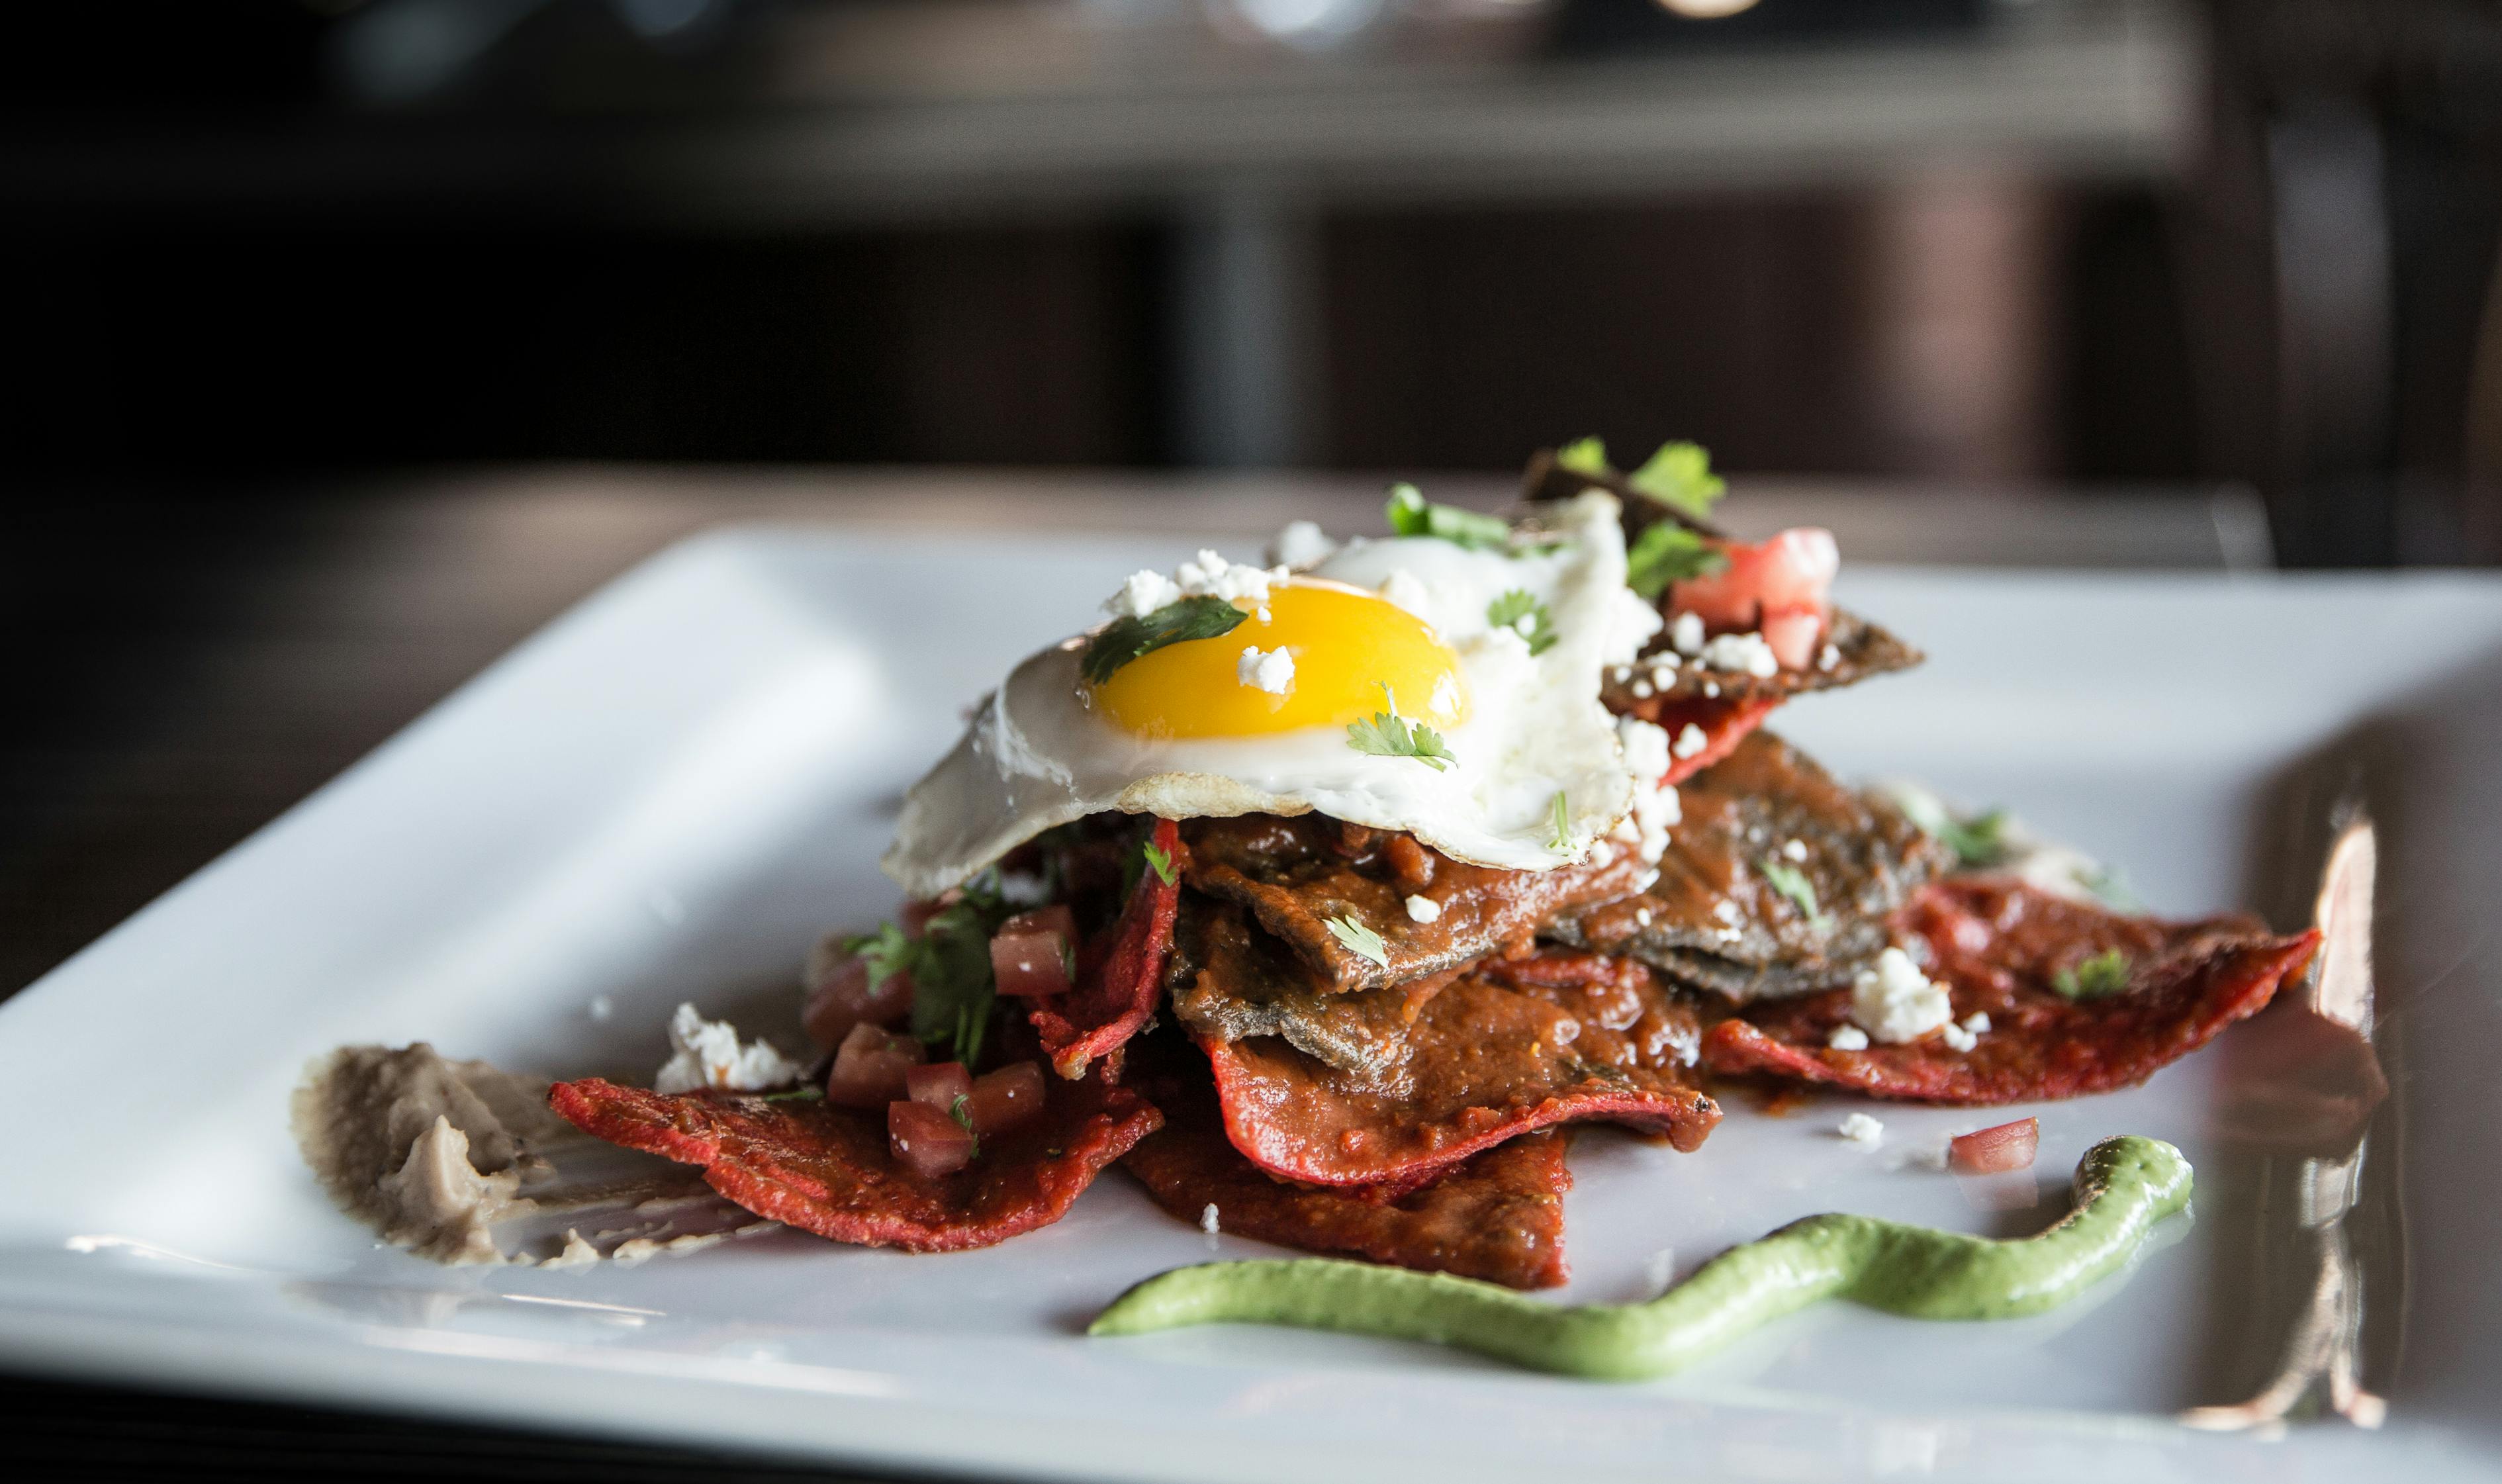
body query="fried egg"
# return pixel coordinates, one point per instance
(1498, 653)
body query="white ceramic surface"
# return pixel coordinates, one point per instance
(668, 792)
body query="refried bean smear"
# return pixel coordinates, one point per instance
(1326, 896)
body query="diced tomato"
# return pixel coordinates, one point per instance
(938, 1086)
(1775, 585)
(926, 1140)
(869, 1066)
(1006, 1099)
(846, 999)
(1793, 633)
(1031, 953)
(1995, 1150)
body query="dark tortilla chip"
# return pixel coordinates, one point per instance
(1230, 982)
(1497, 1216)
(1859, 856)
(2000, 946)
(1860, 649)
(1295, 874)
(1510, 1046)
(827, 1169)
(1116, 988)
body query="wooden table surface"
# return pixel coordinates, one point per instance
(191, 661)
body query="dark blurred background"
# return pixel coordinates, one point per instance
(1992, 241)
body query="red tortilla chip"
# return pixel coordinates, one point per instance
(1116, 988)
(1498, 1215)
(1514, 1046)
(1999, 945)
(1724, 724)
(827, 1169)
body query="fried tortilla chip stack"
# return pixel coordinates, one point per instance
(1337, 1037)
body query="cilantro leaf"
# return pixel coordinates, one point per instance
(1388, 735)
(1792, 883)
(886, 952)
(953, 989)
(2099, 977)
(1680, 475)
(1411, 514)
(1158, 861)
(1978, 840)
(1358, 939)
(1509, 610)
(1124, 639)
(1667, 552)
(962, 1111)
(810, 1093)
(1558, 821)
(1584, 455)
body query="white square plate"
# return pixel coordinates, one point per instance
(670, 792)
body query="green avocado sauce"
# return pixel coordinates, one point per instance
(2124, 1185)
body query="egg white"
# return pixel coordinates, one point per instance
(1036, 755)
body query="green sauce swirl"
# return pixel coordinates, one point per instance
(2124, 1185)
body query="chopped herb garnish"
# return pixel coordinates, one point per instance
(1584, 455)
(1358, 939)
(1388, 735)
(796, 1095)
(1559, 824)
(1978, 840)
(2099, 977)
(962, 1111)
(1792, 883)
(1158, 861)
(886, 952)
(2111, 888)
(1124, 639)
(1667, 552)
(1411, 514)
(953, 989)
(1680, 475)
(1517, 605)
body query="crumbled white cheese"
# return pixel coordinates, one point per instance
(1711, 689)
(1301, 544)
(1423, 909)
(1641, 916)
(1207, 1219)
(1686, 1041)
(1956, 1037)
(1643, 690)
(1977, 1022)
(1689, 741)
(1407, 589)
(1142, 595)
(707, 1054)
(1828, 658)
(1745, 653)
(1895, 1002)
(1685, 632)
(1212, 576)
(1623, 673)
(1273, 672)
(1859, 1129)
(1632, 624)
(1847, 1038)
(1655, 808)
(1726, 911)
(1795, 850)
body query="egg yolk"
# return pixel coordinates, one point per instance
(1347, 644)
